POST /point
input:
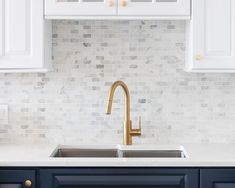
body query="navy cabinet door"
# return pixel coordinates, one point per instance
(217, 178)
(119, 178)
(16, 178)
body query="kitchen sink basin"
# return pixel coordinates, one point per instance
(72, 152)
(118, 152)
(154, 154)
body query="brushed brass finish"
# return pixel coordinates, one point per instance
(128, 132)
(110, 3)
(123, 3)
(198, 57)
(28, 183)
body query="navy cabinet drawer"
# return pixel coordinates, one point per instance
(119, 178)
(217, 178)
(16, 178)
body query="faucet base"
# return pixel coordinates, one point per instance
(129, 132)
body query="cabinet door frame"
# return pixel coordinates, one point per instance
(17, 177)
(22, 34)
(216, 178)
(82, 8)
(1, 27)
(211, 46)
(54, 178)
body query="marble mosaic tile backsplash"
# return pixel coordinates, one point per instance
(67, 105)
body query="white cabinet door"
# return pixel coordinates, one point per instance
(162, 8)
(21, 34)
(80, 7)
(213, 35)
(1, 28)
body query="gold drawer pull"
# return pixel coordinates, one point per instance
(123, 3)
(28, 183)
(198, 57)
(110, 3)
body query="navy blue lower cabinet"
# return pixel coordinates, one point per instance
(217, 178)
(17, 179)
(119, 178)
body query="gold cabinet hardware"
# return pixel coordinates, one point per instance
(123, 3)
(110, 3)
(28, 183)
(198, 57)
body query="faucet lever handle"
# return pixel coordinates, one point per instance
(140, 123)
(137, 132)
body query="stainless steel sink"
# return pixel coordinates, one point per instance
(61, 152)
(75, 152)
(154, 154)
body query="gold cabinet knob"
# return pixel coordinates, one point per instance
(198, 57)
(123, 3)
(28, 183)
(110, 3)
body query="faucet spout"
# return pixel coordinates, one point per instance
(128, 131)
(127, 98)
(109, 107)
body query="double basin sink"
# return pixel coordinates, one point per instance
(118, 152)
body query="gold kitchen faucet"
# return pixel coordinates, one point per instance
(128, 132)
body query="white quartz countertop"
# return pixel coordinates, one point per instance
(199, 155)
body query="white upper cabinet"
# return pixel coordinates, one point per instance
(21, 35)
(1, 29)
(212, 42)
(154, 8)
(117, 9)
(80, 7)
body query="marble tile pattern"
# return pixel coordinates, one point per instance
(67, 105)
